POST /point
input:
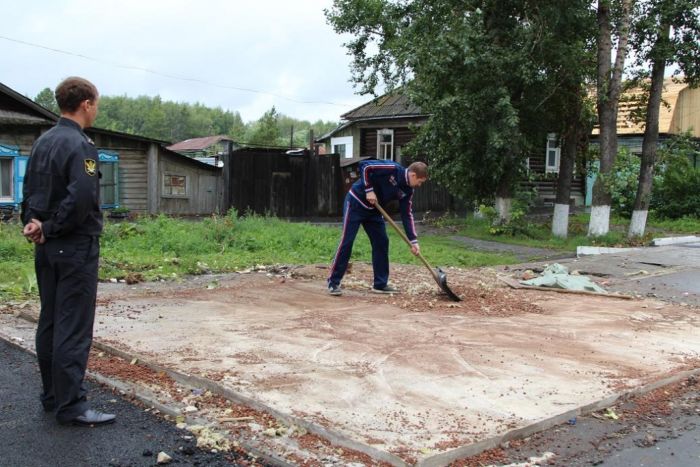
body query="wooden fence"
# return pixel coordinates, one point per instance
(269, 181)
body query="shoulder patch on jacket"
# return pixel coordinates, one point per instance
(90, 167)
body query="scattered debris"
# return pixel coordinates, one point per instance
(556, 275)
(207, 438)
(533, 461)
(163, 458)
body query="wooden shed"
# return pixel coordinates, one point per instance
(138, 173)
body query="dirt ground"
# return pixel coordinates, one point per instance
(411, 374)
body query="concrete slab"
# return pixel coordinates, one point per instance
(415, 384)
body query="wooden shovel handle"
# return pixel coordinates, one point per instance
(405, 239)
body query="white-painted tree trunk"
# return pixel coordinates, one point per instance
(560, 220)
(503, 206)
(638, 224)
(600, 221)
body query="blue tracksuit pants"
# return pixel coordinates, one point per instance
(354, 215)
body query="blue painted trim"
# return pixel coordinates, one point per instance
(111, 157)
(9, 150)
(108, 156)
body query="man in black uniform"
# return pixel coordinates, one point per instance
(61, 215)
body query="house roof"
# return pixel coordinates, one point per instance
(18, 118)
(198, 144)
(391, 105)
(332, 132)
(354, 160)
(24, 105)
(632, 101)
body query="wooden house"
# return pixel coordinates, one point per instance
(679, 114)
(138, 173)
(382, 127)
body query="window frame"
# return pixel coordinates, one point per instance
(380, 144)
(557, 154)
(347, 141)
(11, 197)
(186, 195)
(112, 158)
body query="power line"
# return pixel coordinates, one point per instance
(170, 76)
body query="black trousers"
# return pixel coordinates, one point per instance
(66, 271)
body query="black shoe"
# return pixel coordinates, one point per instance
(335, 290)
(386, 289)
(48, 407)
(92, 417)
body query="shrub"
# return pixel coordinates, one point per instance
(622, 181)
(677, 190)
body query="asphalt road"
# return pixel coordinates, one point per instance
(29, 437)
(654, 440)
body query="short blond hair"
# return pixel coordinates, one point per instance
(420, 169)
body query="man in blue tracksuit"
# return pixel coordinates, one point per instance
(380, 181)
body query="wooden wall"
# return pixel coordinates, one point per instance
(368, 140)
(203, 191)
(22, 136)
(268, 181)
(133, 176)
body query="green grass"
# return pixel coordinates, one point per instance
(167, 248)
(685, 225)
(17, 277)
(539, 234)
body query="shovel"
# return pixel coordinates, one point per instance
(438, 274)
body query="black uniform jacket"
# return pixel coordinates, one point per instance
(61, 186)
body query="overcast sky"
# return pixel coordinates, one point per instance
(283, 48)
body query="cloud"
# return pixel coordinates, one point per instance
(273, 46)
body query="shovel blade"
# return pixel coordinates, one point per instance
(442, 282)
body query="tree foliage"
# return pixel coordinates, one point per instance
(677, 184)
(176, 121)
(482, 70)
(46, 99)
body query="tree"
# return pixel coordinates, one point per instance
(608, 89)
(568, 58)
(476, 67)
(47, 100)
(265, 132)
(661, 37)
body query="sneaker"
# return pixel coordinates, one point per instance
(334, 290)
(386, 289)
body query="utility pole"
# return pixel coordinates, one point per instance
(311, 142)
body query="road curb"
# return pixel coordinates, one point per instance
(674, 240)
(601, 250)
